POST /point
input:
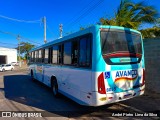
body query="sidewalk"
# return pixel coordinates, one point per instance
(23, 67)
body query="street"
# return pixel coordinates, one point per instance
(19, 93)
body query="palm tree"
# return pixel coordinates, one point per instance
(158, 23)
(131, 15)
(151, 32)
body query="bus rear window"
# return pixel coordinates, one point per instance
(113, 41)
(120, 44)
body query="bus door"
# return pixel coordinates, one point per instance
(39, 72)
(39, 67)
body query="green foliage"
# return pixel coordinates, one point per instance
(151, 32)
(131, 15)
(25, 47)
(84, 27)
(158, 22)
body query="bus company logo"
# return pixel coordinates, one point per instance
(130, 75)
(125, 79)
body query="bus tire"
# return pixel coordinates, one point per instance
(32, 76)
(54, 87)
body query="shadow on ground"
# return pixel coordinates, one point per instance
(22, 89)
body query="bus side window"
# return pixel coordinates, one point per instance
(46, 55)
(40, 56)
(75, 52)
(50, 55)
(67, 53)
(36, 56)
(43, 53)
(55, 51)
(33, 56)
(60, 54)
(85, 52)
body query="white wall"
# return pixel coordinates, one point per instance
(10, 53)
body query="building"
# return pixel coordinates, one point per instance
(7, 55)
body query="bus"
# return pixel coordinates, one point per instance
(95, 66)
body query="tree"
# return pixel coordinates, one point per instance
(158, 22)
(151, 32)
(131, 15)
(25, 47)
(84, 27)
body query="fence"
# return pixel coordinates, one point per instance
(152, 63)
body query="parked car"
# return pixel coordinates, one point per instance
(14, 63)
(5, 67)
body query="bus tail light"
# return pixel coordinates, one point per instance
(101, 85)
(143, 80)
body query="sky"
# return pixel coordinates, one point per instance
(24, 18)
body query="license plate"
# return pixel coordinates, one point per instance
(127, 95)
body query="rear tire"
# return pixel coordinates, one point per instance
(32, 76)
(11, 69)
(3, 70)
(54, 87)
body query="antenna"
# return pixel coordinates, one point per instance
(60, 29)
(44, 23)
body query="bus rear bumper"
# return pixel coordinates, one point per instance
(103, 99)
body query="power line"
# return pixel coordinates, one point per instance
(15, 35)
(48, 28)
(9, 33)
(30, 40)
(7, 43)
(17, 20)
(86, 13)
(8, 46)
(83, 9)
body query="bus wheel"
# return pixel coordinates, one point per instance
(55, 88)
(32, 76)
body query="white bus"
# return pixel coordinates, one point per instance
(95, 66)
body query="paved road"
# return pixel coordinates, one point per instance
(19, 93)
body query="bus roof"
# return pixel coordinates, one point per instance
(83, 32)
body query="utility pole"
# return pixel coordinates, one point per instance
(18, 38)
(44, 23)
(60, 29)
